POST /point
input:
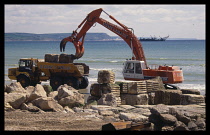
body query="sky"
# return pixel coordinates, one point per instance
(177, 21)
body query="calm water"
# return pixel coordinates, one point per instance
(187, 54)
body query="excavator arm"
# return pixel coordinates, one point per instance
(123, 31)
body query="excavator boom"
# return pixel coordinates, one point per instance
(123, 31)
(135, 69)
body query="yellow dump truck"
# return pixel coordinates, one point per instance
(32, 71)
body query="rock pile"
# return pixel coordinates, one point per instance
(68, 100)
(36, 99)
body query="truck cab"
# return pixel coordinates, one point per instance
(27, 64)
(133, 70)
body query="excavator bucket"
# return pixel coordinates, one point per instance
(63, 45)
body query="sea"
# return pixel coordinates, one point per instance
(111, 55)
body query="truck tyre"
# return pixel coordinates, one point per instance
(84, 83)
(24, 80)
(72, 81)
(55, 82)
(34, 83)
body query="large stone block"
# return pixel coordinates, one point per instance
(108, 99)
(66, 58)
(95, 90)
(191, 99)
(154, 84)
(190, 91)
(52, 58)
(168, 97)
(137, 87)
(133, 87)
(131, 99)
(106, 76)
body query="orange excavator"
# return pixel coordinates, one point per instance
(135, 68)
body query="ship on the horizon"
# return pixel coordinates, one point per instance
(154, 38)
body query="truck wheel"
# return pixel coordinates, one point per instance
(55, 82)
(34, 83)
(24, 80)
(72, 81)
(84, 83)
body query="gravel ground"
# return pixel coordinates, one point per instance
(51, 121)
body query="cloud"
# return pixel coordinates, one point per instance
(65, 18)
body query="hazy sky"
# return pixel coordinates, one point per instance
(177, 21)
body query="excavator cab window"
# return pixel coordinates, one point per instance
(138, 68)
(129, 68)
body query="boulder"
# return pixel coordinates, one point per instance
(130, 99)
(192, 126)
(37, 93)
(133, 117)
(15, 87)
(200, 122)
(30, 107)
(181, 117)
(157, 121)
(168, 119)
(180, 126)
(15, 99)
(47, 104)
(29, 90)
(63, 92)
(192, 99)
(107, 99)
(76, 100)
(159, 109)
(53, 94)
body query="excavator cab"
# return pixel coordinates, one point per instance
(133, 69)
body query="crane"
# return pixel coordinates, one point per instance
(134, 69)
